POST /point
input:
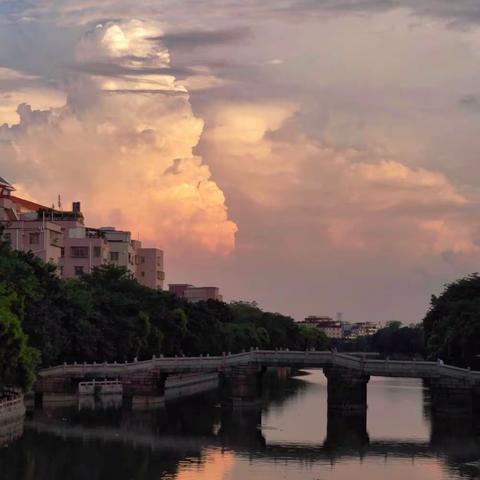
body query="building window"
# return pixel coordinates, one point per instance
(78, 270)
(79, 252)
(159, 261)
(114, 256)
(54, 240)
(142, 259)
(61, 271)
(97, 252)
(142, 274)
(7, 237)
(160, 275)
(34, 238)
(62, 252)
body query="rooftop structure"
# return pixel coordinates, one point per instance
(5, 187)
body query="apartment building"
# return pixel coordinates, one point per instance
(149, 267)
(331, 328)
(62, 238)
(83, 249)
(26, 231)
(122, 248)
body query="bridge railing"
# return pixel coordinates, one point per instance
(11, 405)
(203, 362)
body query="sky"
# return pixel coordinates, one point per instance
(315, 156)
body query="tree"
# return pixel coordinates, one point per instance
(452, 325)
(17, 360)
(312, 337)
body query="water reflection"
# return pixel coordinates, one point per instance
(289, 433)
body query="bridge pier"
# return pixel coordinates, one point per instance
(453, 432)
(346, 430)
(452, 395)
(242, 385)
(347, 389)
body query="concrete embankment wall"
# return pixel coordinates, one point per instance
(178, 386)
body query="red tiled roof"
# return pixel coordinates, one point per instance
(29, 204)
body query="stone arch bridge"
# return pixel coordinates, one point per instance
(347, 375)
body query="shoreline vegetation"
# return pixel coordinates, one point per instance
(108, 316)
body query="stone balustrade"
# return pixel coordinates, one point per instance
(12, 406)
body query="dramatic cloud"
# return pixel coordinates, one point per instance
(127, 156)
(200, 38)
(342, 134)
(17, 87)
(459, 13)
(352, 199)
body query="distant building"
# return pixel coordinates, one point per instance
(365, 329)
(331, 328)
(359, 329)
(202, 294)
(149, 267)
(340, 329)
(347, 329)
(61, 237)
(195, 294)
(316, 320)
(178, 288)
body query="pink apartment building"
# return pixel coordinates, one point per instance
(27, 231)
(83, 249)
(61, 237)
(149, 267)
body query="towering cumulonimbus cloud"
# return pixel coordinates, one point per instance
(122, 144)
(333, 200)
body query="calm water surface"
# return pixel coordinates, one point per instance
(290, 436)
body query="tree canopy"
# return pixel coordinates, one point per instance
(108, 316)
(452, 324)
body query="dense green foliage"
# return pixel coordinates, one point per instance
(109, 316)
(394, 340)
(452, 325)
(17, 359)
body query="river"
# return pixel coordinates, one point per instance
(288, 435)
